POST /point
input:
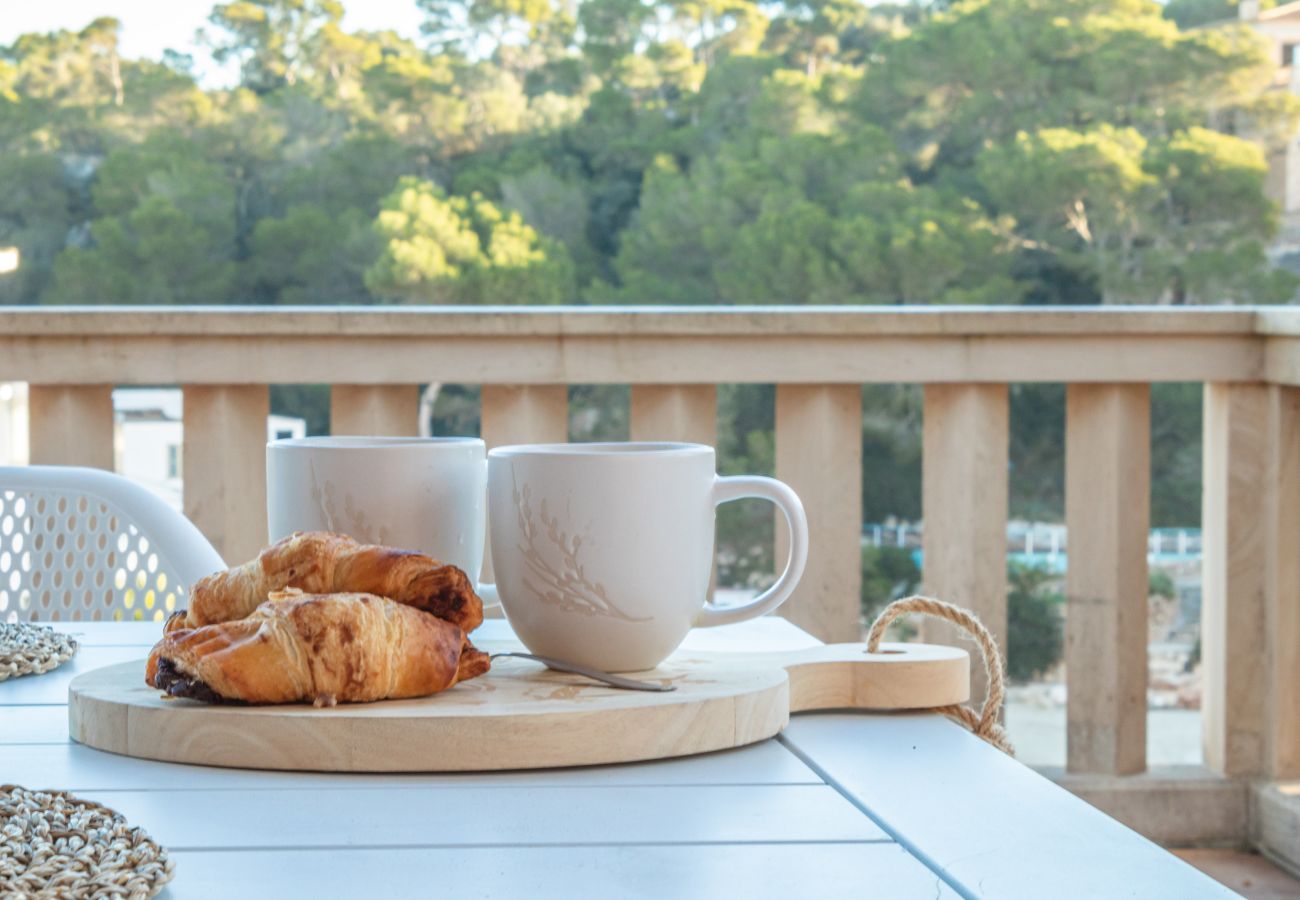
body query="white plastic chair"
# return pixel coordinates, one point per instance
(84, 544)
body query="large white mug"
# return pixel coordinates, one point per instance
(602, 552)
(425, 494)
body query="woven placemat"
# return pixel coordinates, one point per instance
(32, 649)
(55, 845)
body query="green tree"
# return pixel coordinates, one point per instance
(464, 26)
(746, 446)
(313, 257)
(36, 207)
(463, 250)
(1182, 220)
(808, 219)
(163, 233)
(989, 69)
(270, 39)
(1197, 13)
(1035, 639)
(72, 91)
(888, 574)
(1213, 221)
(559, 208)
(891, 452)
(153, 254)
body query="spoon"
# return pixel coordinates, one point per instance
(617, 681)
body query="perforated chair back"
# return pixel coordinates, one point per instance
(84, 544)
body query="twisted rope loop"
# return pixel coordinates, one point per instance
(985, 723)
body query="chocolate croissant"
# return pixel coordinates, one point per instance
(318, 562)
(327, 649)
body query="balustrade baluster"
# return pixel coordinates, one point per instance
(1234, 640)
(964, 505)
(390, 410)
(819, 454)
(524, 414)
(675, 412)
(1107, 502)
(224, 466)
(71, 425)
(521, 414)
(1282, 588)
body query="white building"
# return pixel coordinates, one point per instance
(148, 434)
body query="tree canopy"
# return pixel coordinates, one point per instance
(712, 151)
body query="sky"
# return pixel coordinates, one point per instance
(151, 26)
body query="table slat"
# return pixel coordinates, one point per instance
(110, 634)
(52, 687)
(72, 767)
(392, 817)
(33, 725)
(849, 871)
(993, 827)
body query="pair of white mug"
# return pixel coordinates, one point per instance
(601, 552)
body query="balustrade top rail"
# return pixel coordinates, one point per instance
(400, 321)
(644, 345)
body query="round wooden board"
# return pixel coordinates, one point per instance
(518, 716)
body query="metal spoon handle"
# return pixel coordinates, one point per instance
(618, 681)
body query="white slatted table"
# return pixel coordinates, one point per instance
(852, 805)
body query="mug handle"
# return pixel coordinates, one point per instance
(488, 594)
(726, 488)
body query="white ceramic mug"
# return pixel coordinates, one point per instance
(602, 552)
(425, 494)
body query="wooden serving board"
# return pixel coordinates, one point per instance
(520, 715)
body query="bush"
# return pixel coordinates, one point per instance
(1034, 627)
(1161, 584)
(1035, 633)
(887, 574)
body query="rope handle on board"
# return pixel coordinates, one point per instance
(985, 723)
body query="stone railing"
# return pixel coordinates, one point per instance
(1248, 360)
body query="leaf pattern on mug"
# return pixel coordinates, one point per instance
(353, 522)
(569, 588)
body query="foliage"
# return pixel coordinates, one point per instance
(454, 250)
(456, 411)
(888, 573)
(310, 402)
(989, 151)
(1161, 584)
(891, 452)
(1035, 630)
(746, 528)
(35, 215)
(1197, 13)
(272, 39)
(166, 233)
(1085, 122)
(1037, 477)
(599, 412)
(1176, 411)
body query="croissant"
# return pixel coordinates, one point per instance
(331, 648)
(319, 562)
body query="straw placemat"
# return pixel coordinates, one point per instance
(55, 845)
(32, 649)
